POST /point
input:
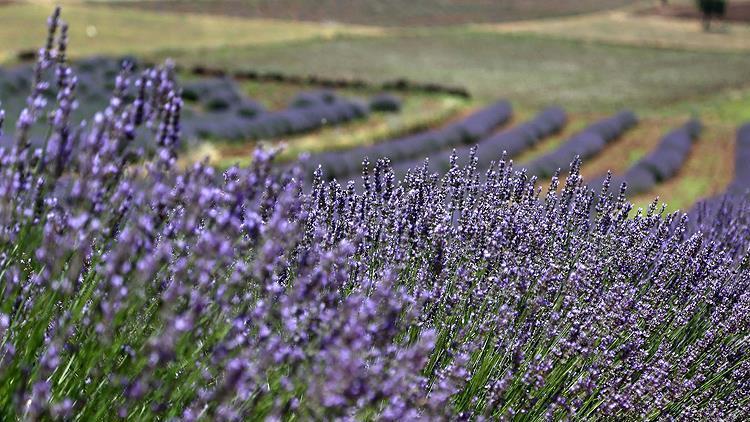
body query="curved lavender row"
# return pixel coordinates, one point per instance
(339, 164)
(727, 214)
(584, 144)
(731, 204)
(221, 95)
(512, 141)
(661, 164)
(385, 102)
(217, 107)
(741, 182)
(295, 119)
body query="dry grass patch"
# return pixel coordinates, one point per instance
(629, 28)
(105, 30)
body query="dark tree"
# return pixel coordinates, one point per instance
(711, 9)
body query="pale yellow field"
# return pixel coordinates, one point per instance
(625, 27)
(103, 30)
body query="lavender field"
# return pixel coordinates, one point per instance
(460, 271)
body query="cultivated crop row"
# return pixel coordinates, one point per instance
(399, 85)
(340, 164)
(661, 164)
(585, 144)
(215, 107)
(741, 181)
(512, 141)
(731, 205)
(229, 116)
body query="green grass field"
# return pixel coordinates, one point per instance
(105, 30)
(604, 58)
(532, 70)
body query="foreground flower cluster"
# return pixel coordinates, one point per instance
(132, 289)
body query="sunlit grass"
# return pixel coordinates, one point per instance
(104, 30)
(418, 112)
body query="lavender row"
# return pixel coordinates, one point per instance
(215, 107)
(308, 112)
(340, 164)
(585, 144)
(399, 85)
(662, 163)
(741, 181)
(511, 141)
(730, 203)
(387, 103)
(218, 95)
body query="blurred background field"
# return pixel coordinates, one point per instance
(591, 57)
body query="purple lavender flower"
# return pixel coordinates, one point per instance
(129, 286)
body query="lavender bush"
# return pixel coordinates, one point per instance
(467, 131)
(661, 163)
(741, 179)
(132, 289)
(512, 141)
(584, 144)
(231, 116)
(215, 108)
